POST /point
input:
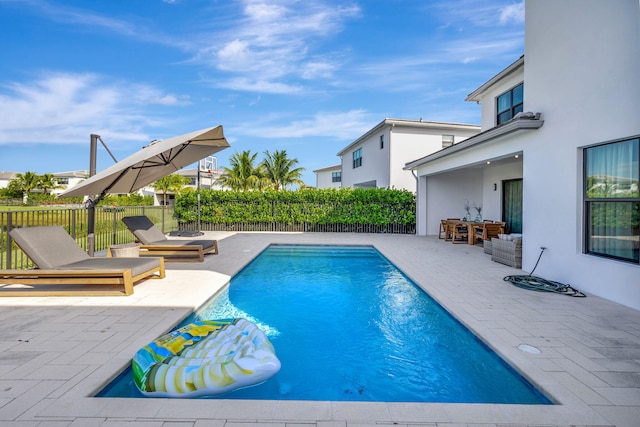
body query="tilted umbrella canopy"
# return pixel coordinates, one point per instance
(154, 161)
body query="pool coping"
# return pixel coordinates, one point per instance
(582, 399)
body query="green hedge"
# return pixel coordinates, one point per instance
(372, 206)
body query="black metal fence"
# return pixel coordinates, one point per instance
(302, 227)
(109, 230)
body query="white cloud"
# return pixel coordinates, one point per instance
(480, 13)
(272, 42)
(66, 108)
(340, 125)
(82, 17)
(512, 13)
(259, 85)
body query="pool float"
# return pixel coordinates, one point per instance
(206, 357)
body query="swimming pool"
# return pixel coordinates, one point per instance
(347, 325)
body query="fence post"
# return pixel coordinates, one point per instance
(115, 226)
(9, 254)
(73, 223)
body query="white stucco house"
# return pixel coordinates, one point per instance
(6, 177)
(376, 159)
(567, 174)
(69, 179)
(207, 181)
(329, 177)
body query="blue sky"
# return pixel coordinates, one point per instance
(305, 76)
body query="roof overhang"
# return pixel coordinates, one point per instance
(329, 168)
(411, 124)
(476, 95)
(522, 122)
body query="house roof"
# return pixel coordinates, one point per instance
(72, 174)
(8, 175)
(329, 168)
(522, 121)
(476, 95)
(409, 123)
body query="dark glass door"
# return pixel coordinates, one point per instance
(512, 205)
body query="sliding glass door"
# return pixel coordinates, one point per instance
(512, 205)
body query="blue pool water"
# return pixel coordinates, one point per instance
(347, 325)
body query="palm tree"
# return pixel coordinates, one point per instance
(26, 183)
(170, 184)
(281, 170)
(47, 183)
(243, 175)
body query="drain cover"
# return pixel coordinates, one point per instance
(529, 349)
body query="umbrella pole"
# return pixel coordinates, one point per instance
(91, 211)
(91, 228)
(199, 232)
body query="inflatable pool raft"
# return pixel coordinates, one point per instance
(203, 358)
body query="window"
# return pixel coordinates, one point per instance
(381, 142)
(447, 141)
(62, 181)
(612, 200)
(509, 104)
(336, 176)
(357, 158)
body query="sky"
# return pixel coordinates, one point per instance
(305, 76)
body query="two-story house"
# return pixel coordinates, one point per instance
(566, 175)
(329, 177)
(376, 159)
(70, 179)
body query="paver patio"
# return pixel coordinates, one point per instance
(55, 353)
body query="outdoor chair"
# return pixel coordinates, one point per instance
(459, 232)
(65, 269)
(488, 230)
(444, 228)
(154, 242)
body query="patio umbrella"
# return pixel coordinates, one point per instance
(154, 161)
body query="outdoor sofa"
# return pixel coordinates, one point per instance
(154, 242)
(65, 269)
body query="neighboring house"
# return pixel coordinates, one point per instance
(64, 179)
(69, 179)
(567, 175)
(6, 177)
(207, 178)
(375, 159)
(207, 181)
(329, 177)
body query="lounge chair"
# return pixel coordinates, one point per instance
(154, 242)
(65, 269)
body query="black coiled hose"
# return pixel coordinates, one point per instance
(539, 284)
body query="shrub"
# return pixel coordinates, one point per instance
(374, 206)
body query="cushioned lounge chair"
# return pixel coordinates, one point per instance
(64, 268)
(154, 242)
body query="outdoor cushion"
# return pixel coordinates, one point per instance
(171, 242)
(49, 247)
(144, 229)
(136, 265)
(148, 234)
